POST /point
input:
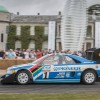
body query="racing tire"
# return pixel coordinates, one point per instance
(22, 78)
(89, 77)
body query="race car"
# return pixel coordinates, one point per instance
(54, 68)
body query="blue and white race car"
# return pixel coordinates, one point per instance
(54, 68)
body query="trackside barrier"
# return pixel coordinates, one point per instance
(5, 63)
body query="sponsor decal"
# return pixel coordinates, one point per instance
(46, 68)
(59, 68)
(67, 74)
(78, 74)
(60, 75)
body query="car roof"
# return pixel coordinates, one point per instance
(81, 59)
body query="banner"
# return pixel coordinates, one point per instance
(97, 34)
(51, 35)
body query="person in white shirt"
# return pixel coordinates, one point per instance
(27, 54)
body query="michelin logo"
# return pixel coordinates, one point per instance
(67, 68)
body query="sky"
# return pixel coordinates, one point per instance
(32, 7)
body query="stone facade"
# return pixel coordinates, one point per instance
(7, 19)
(4, 25)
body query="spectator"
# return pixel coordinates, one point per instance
(79, 53)
(11, 54)
(2, 53)
(19, 56)
(68, 51)
(38, 54)
(83, 54)
(26, 53)
(75, 53)
(32, 54)
(22, 53)
(49, 51)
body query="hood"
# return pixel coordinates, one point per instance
(22, 66)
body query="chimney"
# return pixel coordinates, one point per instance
(17, 13)
(59, 13)
(38, 13)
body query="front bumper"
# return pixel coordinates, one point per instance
(8, 80)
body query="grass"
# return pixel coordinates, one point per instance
(73, 96)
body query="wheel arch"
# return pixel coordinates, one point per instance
(91, 70)
(29, 73)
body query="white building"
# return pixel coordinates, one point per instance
(4, 25)
(74, 23)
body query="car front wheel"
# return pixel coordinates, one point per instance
(89, 77)
(22, 77)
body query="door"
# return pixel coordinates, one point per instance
(51, 67)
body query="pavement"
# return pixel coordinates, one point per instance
(50, 88)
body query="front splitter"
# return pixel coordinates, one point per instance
(9, 79)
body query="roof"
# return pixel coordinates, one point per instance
(81, 59)
(34, 18)
(3, 9)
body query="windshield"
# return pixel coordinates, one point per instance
(38, 60)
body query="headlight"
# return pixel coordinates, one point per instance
(9, 71)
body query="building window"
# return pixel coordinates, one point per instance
(60, 46)
(18, 45)
(2, 37)
(45, 45)
(32, 30)
(88, 45)
(89, 31)
(18, 30)
(59, 30)
(32, 45)
(46, 30)
(7, 29)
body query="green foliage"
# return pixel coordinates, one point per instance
(11, 37)
(25, 37)
(18, 37)
(39, 37)
(25, 34)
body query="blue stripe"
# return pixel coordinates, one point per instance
(57, 81)
(81, 59)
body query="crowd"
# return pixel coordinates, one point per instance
(32, 54)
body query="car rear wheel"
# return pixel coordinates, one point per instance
(89, 77)
(22, 77)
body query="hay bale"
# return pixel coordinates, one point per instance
(6, 63)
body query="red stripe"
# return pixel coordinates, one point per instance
(35, 66)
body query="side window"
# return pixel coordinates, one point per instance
(60, 59)
(49, 61)
(54, 60)
(69, 60)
